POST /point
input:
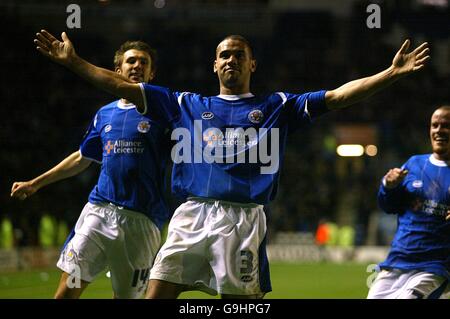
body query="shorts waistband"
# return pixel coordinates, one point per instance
(121, 210)
(223, 202)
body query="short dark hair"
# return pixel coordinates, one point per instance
(134, 45)
(240, 38)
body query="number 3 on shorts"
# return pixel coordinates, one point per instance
(246, 265)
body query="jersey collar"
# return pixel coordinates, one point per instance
(437, 162)
(125, 106)
(235, 97)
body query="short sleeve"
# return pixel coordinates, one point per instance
(91, 146)
(160, 103)
(305, 108)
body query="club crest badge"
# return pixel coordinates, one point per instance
(256, 116)
(71, 255)
(143, 126)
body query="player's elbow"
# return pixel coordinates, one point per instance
(335, 99)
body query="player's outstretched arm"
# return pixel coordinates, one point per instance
(70, 166)
(63, 52)
(404, 63)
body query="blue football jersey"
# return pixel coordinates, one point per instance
(133, 151)
(230, 147)
(422, 240)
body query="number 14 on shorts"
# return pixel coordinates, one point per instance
(140, 275)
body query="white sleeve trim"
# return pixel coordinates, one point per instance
(283, 96)
(89, 158)
(95, 120)
(144, 98)
(306, 109)
(180, 98)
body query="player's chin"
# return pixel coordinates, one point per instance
(441, 149)
(136, 79)
(440, 145)
(230, 81)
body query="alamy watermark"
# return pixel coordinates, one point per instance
(234, 145)
(373, 21)
(74, 278)
(73, 21)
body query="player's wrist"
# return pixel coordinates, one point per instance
(396, 72)
(73, 61)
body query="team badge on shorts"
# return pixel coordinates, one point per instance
(143, 126)
(256, 116)
(71, 255)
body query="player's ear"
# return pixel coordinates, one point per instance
(152, 76)
(253, 65)
(118, 70)
(215, 66)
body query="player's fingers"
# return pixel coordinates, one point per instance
(423, 53)
(40, 37)
(43, 51)
(48, 35)
(65, 37)
(14, 186)
(42, 45)
(417, 68)
(422, 61)
(16, 193)
(405, 46)
(448, 215)
(421, 47)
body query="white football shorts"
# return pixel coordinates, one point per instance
(217, 247)
(108, 236)
(408, 284)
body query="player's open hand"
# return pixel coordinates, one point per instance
(405, 63)
(394, 177)
(61, 52)
(22, 190)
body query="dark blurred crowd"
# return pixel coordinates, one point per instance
(46, 109)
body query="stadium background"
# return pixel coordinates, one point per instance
(299, 46)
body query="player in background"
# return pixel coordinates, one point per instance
(418, 264)
(216, 240)
(119, 228)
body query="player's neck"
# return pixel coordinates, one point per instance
(124, 101)
(234, 90)
(442, 157)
